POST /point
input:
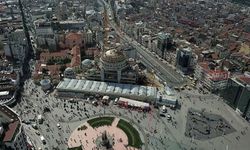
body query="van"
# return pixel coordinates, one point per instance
(43, 139)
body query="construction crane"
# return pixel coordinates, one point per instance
(105, 29)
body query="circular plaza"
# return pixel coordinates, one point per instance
(105, 133)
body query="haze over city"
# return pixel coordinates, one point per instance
(124, 74)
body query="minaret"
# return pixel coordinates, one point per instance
(105, 29)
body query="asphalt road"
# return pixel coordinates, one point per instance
(163, 71)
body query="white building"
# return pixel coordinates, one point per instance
(167, 98)
(77, 88)
(13, 137)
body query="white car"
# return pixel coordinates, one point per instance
(169, 117)
(59, 126)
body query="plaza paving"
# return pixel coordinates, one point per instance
(157, 132)
(87, 138)
(202, 125)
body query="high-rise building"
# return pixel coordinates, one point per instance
(164, 43)
(139, 29)
(237, 94)
(184, 59)
(11, 130)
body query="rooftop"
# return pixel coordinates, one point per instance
(73, 36)
(13, 121)
(106, 88)
(244, 79)
(44, 56)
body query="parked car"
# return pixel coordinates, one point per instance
(38, 133)
(162, 115)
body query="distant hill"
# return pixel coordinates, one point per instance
(244, 2)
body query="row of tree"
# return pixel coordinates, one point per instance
(58, 61)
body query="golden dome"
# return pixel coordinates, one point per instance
(113, 56)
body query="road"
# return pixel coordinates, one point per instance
(164, 72)
(31, 134)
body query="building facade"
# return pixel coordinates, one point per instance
(45, 37)
(237, 95)
(212, 79)
(164, 42)
(16, 47)
(9, 84)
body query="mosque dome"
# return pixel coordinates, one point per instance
(87, 63)
(113, 56)
(113, 60)
(69, 73)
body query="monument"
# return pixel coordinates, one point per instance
(105, 142)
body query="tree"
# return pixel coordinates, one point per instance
(62, 68)
(45, 71)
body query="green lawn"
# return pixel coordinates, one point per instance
(133, 135)
(100, 121)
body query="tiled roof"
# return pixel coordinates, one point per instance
(44, 56)
(12, 127)
(76, 59)
(244, 79)
(12, 75)
(13, 120)
(73, 36)
(215, 75)
(204, 65)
